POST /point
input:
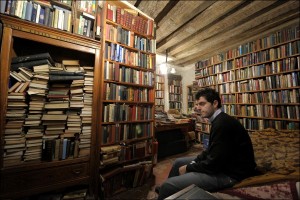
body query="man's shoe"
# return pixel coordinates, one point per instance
(157, 189)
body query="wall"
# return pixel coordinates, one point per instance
(188, 76)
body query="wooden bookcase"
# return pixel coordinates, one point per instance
(190, 99)
(175, 92)
(128, 101)
(130, 89)
(159, 91)
(202, 127)
(80, 17)
(26, 178)
(258, 81)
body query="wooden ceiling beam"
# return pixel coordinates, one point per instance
(235, 30)
(165, 11)
(268, 32)
(237, 19)
(194, 30)
(176, 20)
(228, 41)
(153, 7)
(198, 24)
(137, 3)
(228, 45)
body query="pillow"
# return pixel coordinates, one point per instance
(276, 151)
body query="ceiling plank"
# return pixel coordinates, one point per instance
(235, 29)
(227, 45)
(196, 25)
(137, 3)
(255, 28)
(132, 2)
(153, 7)
(165, 12)
(236, 19)
(198, 29)
(235, 39)
(181, 14)
(287, 22)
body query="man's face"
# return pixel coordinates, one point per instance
(205, 108)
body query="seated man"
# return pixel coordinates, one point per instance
(228, 159)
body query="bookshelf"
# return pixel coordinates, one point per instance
(258, 81)
(190, 99)
(159, 91)
(128, 101)
(175, 92)
(29, 120)
(78, 17)
(202, 127)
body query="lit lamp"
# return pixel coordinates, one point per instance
(164, 68)
(173, 71)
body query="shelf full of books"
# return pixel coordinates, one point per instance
(258, 81)
(175, 92)
(127, 120)
(159, 91)
(48, 103)
(48, 110)
(190, 99)
(79, 17)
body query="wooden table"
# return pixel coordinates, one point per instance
(172, 138)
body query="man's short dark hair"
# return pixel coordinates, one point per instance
(210, 95)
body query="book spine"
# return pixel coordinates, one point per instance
(65, 73)
(64, 78)
(29, 64)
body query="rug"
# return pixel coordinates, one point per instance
(280, 190)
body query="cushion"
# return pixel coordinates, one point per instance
(267, 178)
(276, 151)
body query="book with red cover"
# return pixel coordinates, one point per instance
(109, 13)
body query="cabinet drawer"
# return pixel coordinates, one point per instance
(41, 178)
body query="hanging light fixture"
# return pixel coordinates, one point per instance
(170, 70)
(173, 71)
(165, 68)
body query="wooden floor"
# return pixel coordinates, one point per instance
(160, 172)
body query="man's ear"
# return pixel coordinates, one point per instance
(215, 104)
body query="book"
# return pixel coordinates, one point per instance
(41, 76)
(40, 56)
(76, 194)
(64, 78)
(66, 73)
(192, 192)
(24, 87)
(15, 76)
(14, 87)
(42, 68)
(47, 150)
(70, 62)
(26, 71)
(30, 64)
(19, 87)
(54, 117)
(64, 148)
